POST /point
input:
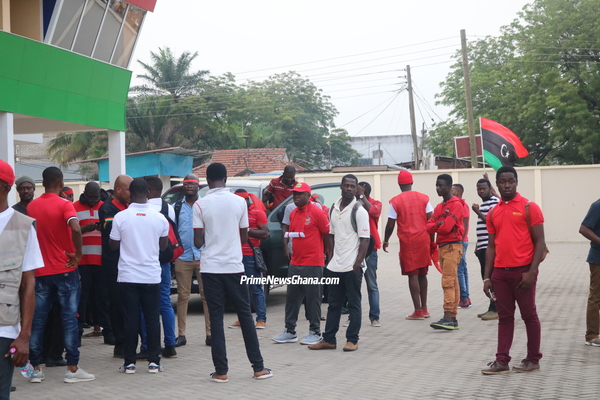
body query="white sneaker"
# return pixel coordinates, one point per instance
(375, 323)
(127, 369)
(154, 368)
(78, 376)
(311, 338)
(37, 376)
(286, 337)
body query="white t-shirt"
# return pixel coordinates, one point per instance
(222, 214)
(157, 205)
(139, 229)
(346, 240)
(394, 215)
(31, 260)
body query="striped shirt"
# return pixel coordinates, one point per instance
(482, 233)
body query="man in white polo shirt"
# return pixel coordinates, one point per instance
(350, 233)
(140, 232)
(221, 226)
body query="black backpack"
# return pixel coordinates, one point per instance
(174, 247)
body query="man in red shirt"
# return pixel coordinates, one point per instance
(447, 223)
(91, 261)
(410, 210)
(516, 247)
(59, 235)
(257, 229)
(373, 207)
(280, 188)
(308, 227)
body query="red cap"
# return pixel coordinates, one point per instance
(301, 187)
(405, 177)
(7, 174)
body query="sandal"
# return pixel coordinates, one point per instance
(268, 375)
(218, 380)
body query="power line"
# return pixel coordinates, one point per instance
(377, 116)
(378, 105)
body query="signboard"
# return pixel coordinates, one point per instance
(463, 148)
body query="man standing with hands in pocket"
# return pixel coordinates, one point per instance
(516, 247)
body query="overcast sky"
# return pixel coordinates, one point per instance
(356, 52)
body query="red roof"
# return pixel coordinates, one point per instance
(145, 4)
(243, 162)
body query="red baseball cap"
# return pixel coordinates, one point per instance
(405, 177)
(7, 174)
(301, 187)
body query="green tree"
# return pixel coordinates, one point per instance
(539, 79)
(169, 74)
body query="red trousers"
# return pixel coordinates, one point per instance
(504, 282)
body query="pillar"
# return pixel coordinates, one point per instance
(116, 155)
(7, 145)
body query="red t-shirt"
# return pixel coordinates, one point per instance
(309, 250)
(514, 246)
(280, 190)
(52, 214)
(256, 217)
(374, 214)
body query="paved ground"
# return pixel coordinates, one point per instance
(401, 360)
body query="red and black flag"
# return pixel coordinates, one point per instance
(500, 145)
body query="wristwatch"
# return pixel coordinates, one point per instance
(362, 196)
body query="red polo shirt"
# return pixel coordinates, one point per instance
(309, 250)
(256, 217)
(374, 214)
(91, 241)
(280, 190)
(514, 247)
(52, 215)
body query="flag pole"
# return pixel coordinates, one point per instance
(482, 152)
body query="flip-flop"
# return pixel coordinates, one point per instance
(213, 379)
(264, 376)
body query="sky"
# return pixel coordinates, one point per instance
(355, 52)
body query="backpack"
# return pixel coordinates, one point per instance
(174, 247)
(355, 226)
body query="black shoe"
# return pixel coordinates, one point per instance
(109, 339)
(180, 341)
(50, 362)
(119, 352)
(445, 324)
(85, 325)
(169, 352)
(13, 388)
(142, 355)
(208, 341)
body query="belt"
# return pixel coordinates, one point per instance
(513, 268)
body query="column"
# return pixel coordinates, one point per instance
(116, 155)
(7, 145)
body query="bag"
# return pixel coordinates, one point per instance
(174, 248)
(355, 226)
(259, 260)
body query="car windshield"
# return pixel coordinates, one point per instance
(233, 188)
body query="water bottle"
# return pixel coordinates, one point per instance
(27, 369)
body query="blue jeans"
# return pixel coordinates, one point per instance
(166, 309)
(463, 273)
(256, 291)
(216, 289)
(67, 288)
(349, 285)
(6, 369)
(372, 289)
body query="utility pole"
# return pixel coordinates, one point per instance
(470, 118)
(413, 126)
(379, 152)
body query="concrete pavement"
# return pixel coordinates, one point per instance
(400, 360)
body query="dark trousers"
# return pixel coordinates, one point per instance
(110, 292)
(144, 297)
(481, 257)
(216, 289)
(6, 369)
(91, 279)
(296, 294)
(54, 343)
(505, 288)
(349, 285)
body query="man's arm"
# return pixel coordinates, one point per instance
(362, 253)
(589, 234)
(90, 227)
(490, 256)
(466, 225)
(539, 242)
(198, 237)
(477, 211)
(261, 233)
(114, 244)
(285, 229)
(75, 258)
(389, 229)
(27, 305)
(331, 240)
(163, 242)
(243, 235)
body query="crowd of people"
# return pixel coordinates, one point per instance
(104, 262)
